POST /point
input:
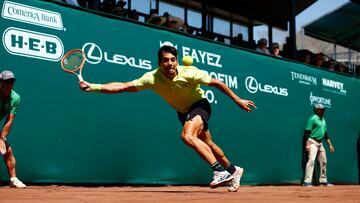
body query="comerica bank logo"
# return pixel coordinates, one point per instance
(32, 44)
(252, 85)
(32, 15)
(95, 55)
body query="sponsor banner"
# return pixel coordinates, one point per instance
(95, 55)
(319, 100)
(32, 15)
(32, 44)
(333, 86)
(303, 78)
(253, 86)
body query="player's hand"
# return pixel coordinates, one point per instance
(2, 147)
(245, 104)
(85, 86)
(331, 148)
(307, 146)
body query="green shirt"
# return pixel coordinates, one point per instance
(181, 91)
(317, 127)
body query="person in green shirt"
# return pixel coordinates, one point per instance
(180, 87)
(315, 132)
(9, 103)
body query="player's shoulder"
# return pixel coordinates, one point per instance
(14, 95)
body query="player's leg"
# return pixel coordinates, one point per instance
(235, 171)
(310, 164)
(189, 136)
(323, 162)
(10, 163)
(191, 130)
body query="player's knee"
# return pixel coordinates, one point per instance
(8, 151)
(187, 138)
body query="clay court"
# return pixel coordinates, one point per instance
(52, 194)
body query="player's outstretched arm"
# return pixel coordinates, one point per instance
(242, 103)
(109, 88)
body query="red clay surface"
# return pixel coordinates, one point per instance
(52, 194)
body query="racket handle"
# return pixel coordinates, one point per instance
(80, 78)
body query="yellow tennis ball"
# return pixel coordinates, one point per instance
(187, 60)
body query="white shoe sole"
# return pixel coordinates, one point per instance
(233, 189)
(224, 182)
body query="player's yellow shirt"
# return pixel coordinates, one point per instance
(181, 91)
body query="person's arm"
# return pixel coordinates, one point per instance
(328, 141)
(7, 126)
(109, 88)
(5, 132)
(242, 103)
(305, 140)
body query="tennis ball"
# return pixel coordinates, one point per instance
(187, 60)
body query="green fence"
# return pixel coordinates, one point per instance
(63, 135)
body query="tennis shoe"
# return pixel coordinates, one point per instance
(307, 185)
(235, 183)
(326, 184)
(16, 183)
(220, 178)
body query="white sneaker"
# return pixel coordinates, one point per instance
(220, 178)
(235, 183)
(15, 182)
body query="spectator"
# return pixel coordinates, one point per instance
(156, 19)
(275, 49)
(318, 60)
(341, 67)
(357, 70)
(108, 6)
(286, 52)
(329, 64)
(252, 44)
(119, 9)
(238, 41)
(220, 39)
(186, 28)
(262, 43)
(304, 56)
(133, 15)
(174, 22)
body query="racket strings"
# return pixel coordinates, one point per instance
(73, 61)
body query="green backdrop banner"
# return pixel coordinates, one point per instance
(63, 135)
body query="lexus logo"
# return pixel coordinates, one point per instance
(95, 55)
(251, 84)
(93, 52)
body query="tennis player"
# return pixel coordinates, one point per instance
(180, 87)
(9, 103)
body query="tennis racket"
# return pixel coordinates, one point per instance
(73, 62)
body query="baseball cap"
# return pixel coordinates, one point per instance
(319, 106)
(6, 75)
